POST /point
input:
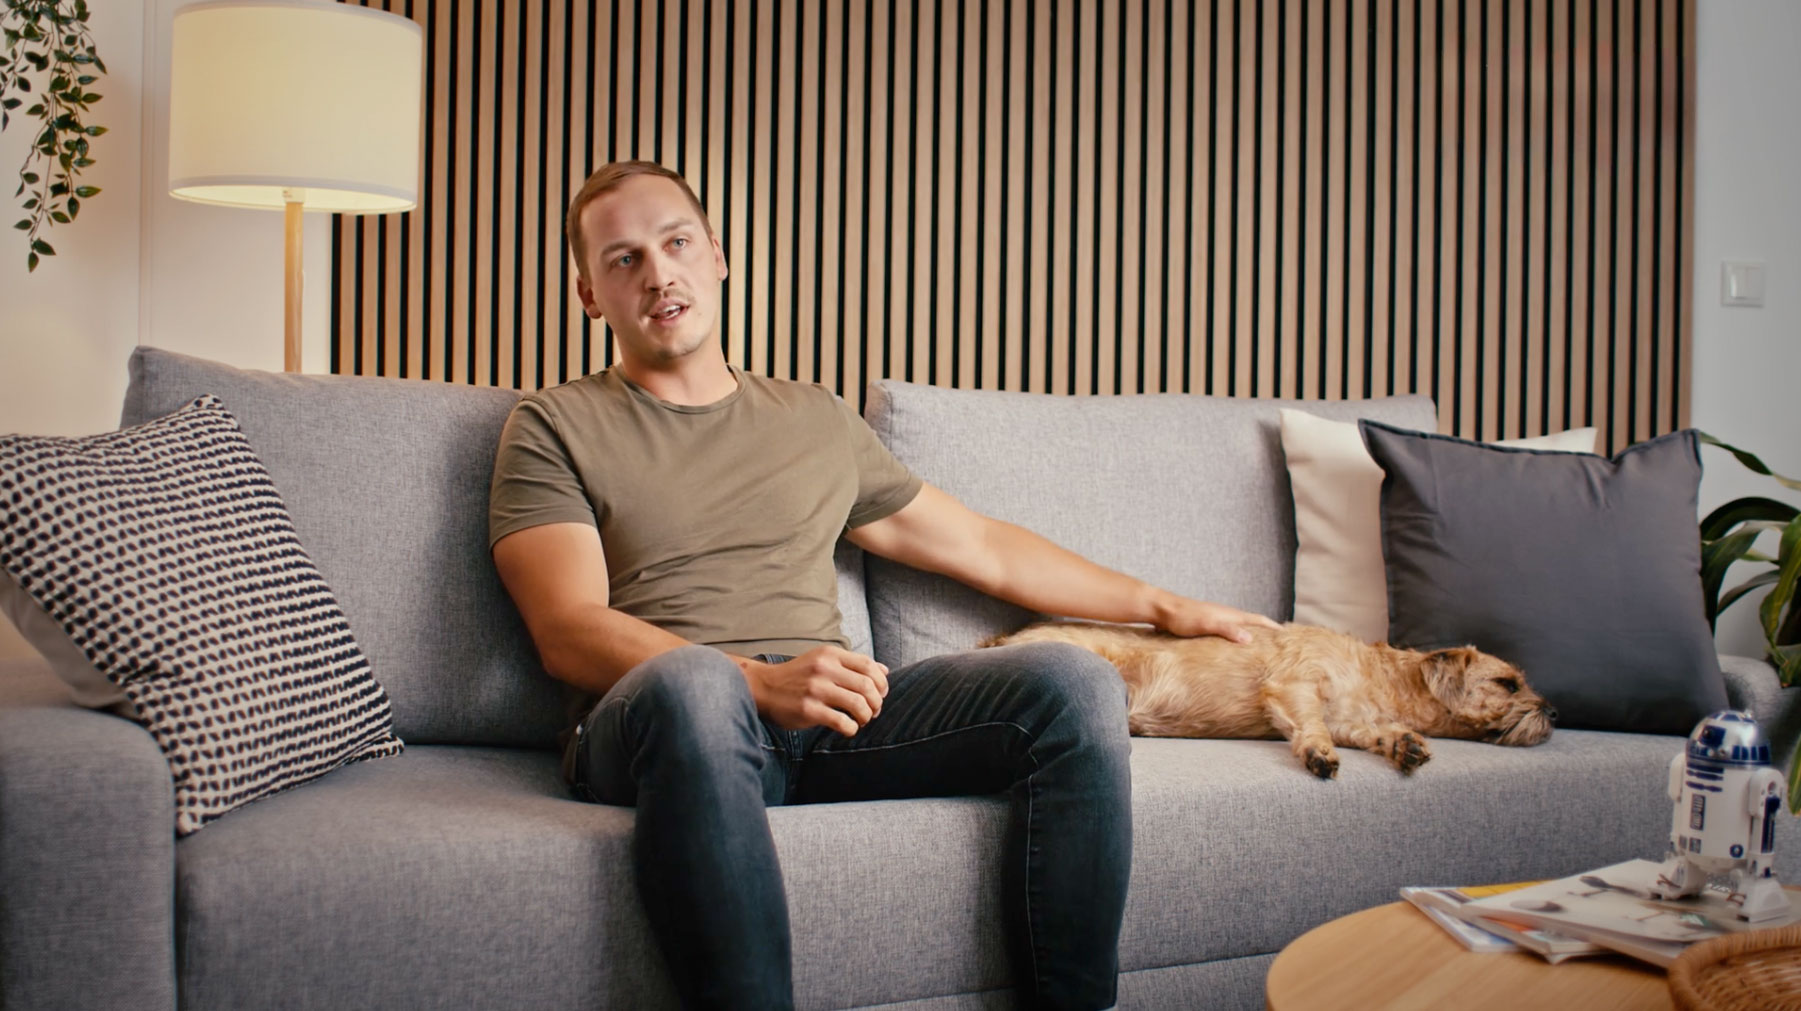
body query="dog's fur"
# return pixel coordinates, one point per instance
(1312, 686)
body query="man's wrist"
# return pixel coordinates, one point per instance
(1159, 606)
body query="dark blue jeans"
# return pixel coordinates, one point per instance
(1045, 723)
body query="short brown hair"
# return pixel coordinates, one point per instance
(606, 179)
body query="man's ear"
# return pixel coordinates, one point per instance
(1443, 673)
(586, 294)
(718, 256)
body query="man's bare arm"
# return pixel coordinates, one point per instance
(557, 576)
(937, 533)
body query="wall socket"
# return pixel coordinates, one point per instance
(1741, 283)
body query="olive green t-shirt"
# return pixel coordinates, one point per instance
(718, 521)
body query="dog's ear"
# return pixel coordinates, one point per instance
(1443, 671)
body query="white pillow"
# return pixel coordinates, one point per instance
(1339, 579)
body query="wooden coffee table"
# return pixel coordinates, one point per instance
(1394, 957)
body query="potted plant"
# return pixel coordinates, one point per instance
(1729, 535)
(50, 37)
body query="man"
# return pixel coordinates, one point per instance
(666, 529)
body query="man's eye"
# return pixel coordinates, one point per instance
(623, 261)
(680, 242)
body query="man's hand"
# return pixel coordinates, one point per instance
(1186, 617)
(823, 687)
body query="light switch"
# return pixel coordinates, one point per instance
(1741, 283)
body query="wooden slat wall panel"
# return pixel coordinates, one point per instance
(1486, 201)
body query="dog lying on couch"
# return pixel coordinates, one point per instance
(1312, 686)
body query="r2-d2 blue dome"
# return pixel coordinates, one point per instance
(1727, 798)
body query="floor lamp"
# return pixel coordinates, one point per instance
(295, 105)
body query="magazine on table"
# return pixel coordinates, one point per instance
(1444, 907)
(1613, 907)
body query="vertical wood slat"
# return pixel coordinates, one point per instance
(1486, 201)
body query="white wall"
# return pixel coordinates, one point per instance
(137, 265)
(68, 326)
(1747, 362)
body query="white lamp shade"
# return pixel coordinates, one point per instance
(268, 97)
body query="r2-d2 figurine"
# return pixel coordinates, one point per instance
(1727, 798)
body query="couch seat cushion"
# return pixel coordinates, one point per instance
(464, 877)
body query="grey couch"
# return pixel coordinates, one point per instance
(461, 874)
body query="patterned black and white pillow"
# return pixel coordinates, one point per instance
(166, 555)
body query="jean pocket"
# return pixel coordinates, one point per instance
(575, 764)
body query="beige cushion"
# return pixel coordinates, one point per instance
(1339, 580)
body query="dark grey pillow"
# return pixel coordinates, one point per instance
(1583, 571)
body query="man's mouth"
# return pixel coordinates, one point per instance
(667, 310)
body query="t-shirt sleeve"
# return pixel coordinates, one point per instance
(884, 484)
(534, 479)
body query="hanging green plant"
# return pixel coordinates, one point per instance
(50, 36)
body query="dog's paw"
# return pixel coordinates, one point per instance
(1321, 762)
(1410, 752)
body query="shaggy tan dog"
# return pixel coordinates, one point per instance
(1312, 686)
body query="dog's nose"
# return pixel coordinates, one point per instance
(1549, 710)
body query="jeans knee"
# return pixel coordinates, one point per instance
(694, 694)
(1080, 683)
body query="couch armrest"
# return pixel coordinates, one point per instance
(87, 852)
(1753, 684)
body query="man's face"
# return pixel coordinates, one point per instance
(653, 270)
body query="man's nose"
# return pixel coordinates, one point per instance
(657, 272)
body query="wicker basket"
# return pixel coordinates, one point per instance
(1759, 970)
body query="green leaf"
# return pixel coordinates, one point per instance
(86, 191)
(1794, 781)
(74, 207)
(99, 64)
(1716, 557)
(24, 225)
(1732, 596)
(59, 217)
(36, 110)
(82, 163)
(39, 245)
(31, 262)
(1784, 591)
(1751, 462)
(30, 177)
(1741, 510)
(1787, 661)
(86, 79)
(31, 204)
(12, 103)
(24, 84)
(59, 189)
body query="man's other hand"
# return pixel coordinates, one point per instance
(823, 687)
(1187, 617)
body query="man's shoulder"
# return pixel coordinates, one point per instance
(792, 392)
(587, 393)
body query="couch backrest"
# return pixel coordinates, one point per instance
(387, 483)
(1187, 492)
